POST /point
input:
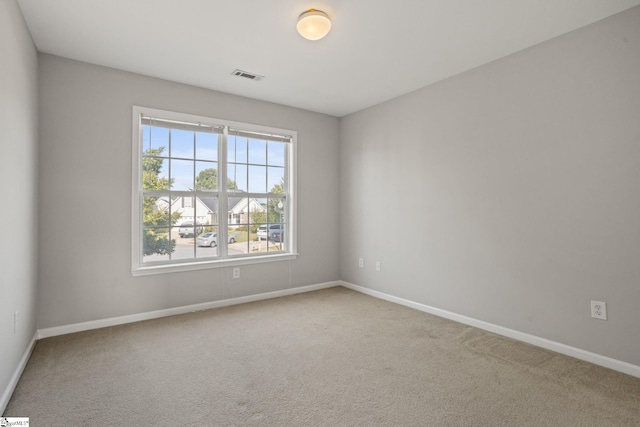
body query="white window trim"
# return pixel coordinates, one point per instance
(137, 267)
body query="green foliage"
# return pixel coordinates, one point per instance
(257, 219)
(151, 168)
(156, 240)
(207, 179)
(276, 214)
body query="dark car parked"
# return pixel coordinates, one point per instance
(265, 231)
(277, 236)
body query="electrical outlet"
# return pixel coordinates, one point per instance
(599, 310)
(361, 263)
(377, 265)
(236, 272)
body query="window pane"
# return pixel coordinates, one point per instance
(158, 140)
(188, 230)
(234, 236)
(207, 242)
(276, 153)
(145, 137)
(182, 175)
(277, 240)
(257, 152)
(155, 173)
(239, 209)
(236, 214)
(275, 182)
(258, 209)
(275, 211)
(206, 176)
(182, 210)
(259, 246)
(156, 244)
(155, 211)
(239, 229)
(237, 149)
(270, 238)
(242, 240)
(237, 177)
(182, 144)
(257, 179)
(207, 210)
(206, 146)
(184, 247)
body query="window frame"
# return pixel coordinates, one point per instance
(138, 267)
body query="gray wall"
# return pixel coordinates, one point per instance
(18, 171)
(85, 181)
(509, 193)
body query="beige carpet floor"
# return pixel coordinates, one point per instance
(327, 358)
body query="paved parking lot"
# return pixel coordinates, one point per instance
(185, 249)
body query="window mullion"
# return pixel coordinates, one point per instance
(223, 209)
(288, 208)
(137, 248)
(169, 175)
(194, 204)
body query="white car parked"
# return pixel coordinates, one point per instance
(188, 230)
(211, 239)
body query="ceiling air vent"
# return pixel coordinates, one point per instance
(247, 75)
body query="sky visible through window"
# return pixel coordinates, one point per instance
(254, 165)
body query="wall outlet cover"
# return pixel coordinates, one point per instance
(599, 310)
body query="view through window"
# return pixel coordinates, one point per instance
(209, 190)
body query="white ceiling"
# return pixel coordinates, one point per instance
(376, 50)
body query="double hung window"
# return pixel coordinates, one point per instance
(209, 193)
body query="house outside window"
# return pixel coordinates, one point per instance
(210, 193)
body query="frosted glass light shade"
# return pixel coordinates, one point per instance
(313, 24)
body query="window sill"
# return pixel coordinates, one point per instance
(203, 265)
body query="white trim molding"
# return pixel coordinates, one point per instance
(131, 318)
(587, 356)
(13, 382)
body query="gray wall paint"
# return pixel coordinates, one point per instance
(18, 171)
(509, 193)
(85, 179)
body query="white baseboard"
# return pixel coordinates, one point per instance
(567, 350)
(120, 320)
(6, 395)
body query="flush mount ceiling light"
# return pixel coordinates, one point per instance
(313, 24)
